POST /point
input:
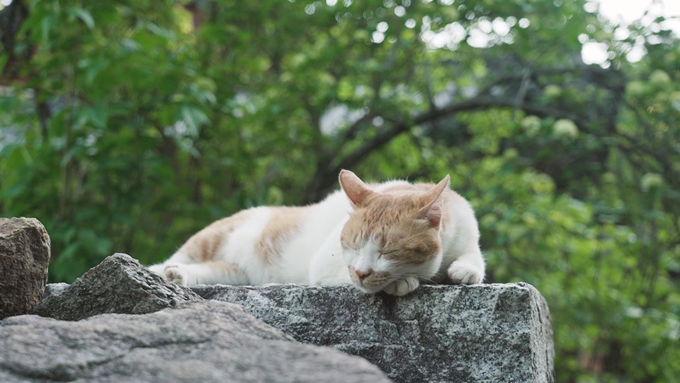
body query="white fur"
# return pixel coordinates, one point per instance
(314, 254)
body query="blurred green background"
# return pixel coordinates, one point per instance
(128, 125)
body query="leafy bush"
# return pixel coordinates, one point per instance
(128, 125)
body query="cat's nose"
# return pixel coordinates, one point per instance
(363, 274)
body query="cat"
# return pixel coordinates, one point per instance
(382, 237)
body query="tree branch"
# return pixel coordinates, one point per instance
(327, 171)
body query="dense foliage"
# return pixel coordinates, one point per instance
(128, 125)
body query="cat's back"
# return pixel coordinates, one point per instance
(290, 236)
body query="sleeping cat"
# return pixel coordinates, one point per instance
(385, 237)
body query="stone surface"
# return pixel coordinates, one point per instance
(481, 333)
(196, 342)
(54, 289)
(119, 284)
(24, 257)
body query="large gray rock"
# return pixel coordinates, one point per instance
(24, 257)
(119, 284)
(482, 333)
(197, 342)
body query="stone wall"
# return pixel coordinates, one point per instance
(482, 333)
(120, 322)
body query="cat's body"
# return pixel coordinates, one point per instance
(387, 237)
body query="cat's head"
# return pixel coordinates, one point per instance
(391, 235)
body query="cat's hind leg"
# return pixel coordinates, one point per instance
(202, 247)
(214, 272)
(180, 257)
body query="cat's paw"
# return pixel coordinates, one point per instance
(175, 274)
(463, 273)
(402, 286)
(157, 269)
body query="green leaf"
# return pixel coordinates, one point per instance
(85, 17)
(46, 25)
(194, 118)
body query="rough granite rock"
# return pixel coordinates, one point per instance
(119, 284)
(54, 289)
(482, 333)
(196, 342)
(24, 257)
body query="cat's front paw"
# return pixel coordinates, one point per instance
(402, 286)
(463, 273)
(175, 274)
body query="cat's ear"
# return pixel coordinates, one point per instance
(432, 209)
(355, 189)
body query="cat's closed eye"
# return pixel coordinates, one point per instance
(383, 253)
(415, 250)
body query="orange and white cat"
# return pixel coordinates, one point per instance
(384, 237)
